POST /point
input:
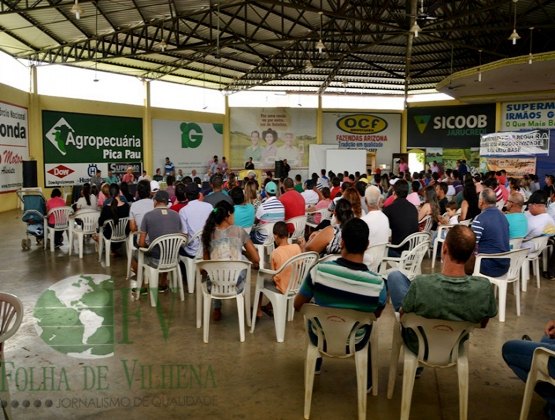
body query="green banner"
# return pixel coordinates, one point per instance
(79, 138)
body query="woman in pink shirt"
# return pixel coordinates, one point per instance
(53, 202)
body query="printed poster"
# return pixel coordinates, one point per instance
(374, 132)
(189, 145)
(14, 146)
(77, 145)
(270, 134)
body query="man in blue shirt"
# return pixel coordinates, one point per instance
(492, 234)
(169, 167)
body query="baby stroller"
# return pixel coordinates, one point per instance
(34, 209)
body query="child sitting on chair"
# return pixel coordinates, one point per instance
(283, 251)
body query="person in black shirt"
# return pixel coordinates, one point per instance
(249, 164)
(402, 215)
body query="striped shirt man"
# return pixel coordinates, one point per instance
(345, 284)
(269, 211)
(492, 236)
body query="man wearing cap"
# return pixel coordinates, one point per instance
(158, 222)
(193, 217)
(269, 211)
(539, 221)
(217, 193)
(154, 187)
(402, 215)
(293, 203)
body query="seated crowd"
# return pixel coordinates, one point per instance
(229, 217)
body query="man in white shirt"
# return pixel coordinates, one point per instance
(539, 221)
(140, 207)
(378, 223)
(310, 196)
(193, 217)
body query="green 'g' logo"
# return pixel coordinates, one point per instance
(191, 135)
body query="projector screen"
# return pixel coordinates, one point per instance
(339, 160)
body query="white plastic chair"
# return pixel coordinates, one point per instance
(410, 262)
(374, 255)
(442, 231)
(325, 214)
(282, 303)
(89, 219)
(130, 244)
(539, 371)
(515, 243)
(265, 250)
(189, 263)
(119, 234)
(517, 258)
(411, 241)
(336, 330)
(443, 343)
(534, 254)
(168, 262)
(11, 315)
(61, 223)
(223, 275)
(428, 223)
(300, 223)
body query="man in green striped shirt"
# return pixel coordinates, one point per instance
(347, 283)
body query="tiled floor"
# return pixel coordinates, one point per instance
(160, 367)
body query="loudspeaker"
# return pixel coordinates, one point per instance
(278, 172)
(30, 174)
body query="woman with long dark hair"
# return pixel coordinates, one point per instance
(223, 240)
(469, 205)
(430, 206)
(87, 199)
(116, 209)
(328, 240)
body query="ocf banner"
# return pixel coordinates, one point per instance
(510, 143)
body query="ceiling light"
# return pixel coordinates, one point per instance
(77, 10)
(320, 46)
(514, 36)
(415, 29)
(530, 53)
(308, 65)
(162, 45)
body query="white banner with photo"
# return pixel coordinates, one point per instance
(374, 132)
(189, 145)
(14, 146)
(509, 143)
(270, 134)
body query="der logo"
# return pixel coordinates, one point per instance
(60, 171)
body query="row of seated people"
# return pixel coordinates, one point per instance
(223, 239)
